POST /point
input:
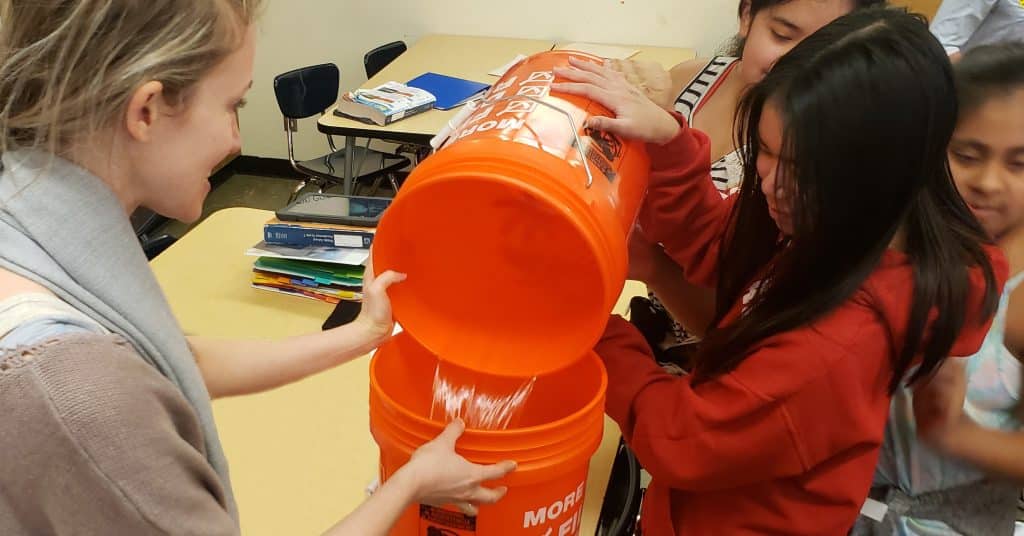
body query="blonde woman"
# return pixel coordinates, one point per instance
(105, 106)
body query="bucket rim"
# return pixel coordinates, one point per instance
(578, 415)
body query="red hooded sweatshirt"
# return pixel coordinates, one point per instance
(787, 442)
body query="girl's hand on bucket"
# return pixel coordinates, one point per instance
(375, 314)
(636, 116)
(443, 477)
(649, 77)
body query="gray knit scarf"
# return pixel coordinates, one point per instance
(64, 228)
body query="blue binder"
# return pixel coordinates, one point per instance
(448, 90)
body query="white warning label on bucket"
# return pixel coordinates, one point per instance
(436, 521)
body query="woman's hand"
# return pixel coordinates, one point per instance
(441, 476)
(649, 77)
(939, 405)
(636, 116)
(375, 315)
(435, 475)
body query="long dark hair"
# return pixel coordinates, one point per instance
(735, 46)
(988, 71)
(868, 108)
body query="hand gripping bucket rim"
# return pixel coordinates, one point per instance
(562, 433)
(544, 476)
(546, 458)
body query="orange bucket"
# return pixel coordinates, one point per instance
(514, 239)
(559, 430)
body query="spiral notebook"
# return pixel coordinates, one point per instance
(449, 91)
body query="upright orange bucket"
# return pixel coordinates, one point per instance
(559, 430)
(514, 233)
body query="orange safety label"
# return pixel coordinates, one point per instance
(604, 150)
(435, 521)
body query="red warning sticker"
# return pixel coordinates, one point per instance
(436, 521)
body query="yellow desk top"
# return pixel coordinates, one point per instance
(300, 455)
(463, 57)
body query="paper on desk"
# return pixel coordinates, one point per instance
(351, 256)
(604, 51)
(500, 71)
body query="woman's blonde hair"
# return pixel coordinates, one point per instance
(69, 67)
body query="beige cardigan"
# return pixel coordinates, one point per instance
(93, 440)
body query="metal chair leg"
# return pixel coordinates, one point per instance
(375, 186)
(295, 192)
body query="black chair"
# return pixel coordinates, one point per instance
(145, 222)
(621, 506)
(155, 245)
(373, 62)
(310, 91)
(380, 57)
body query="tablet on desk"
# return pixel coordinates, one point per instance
(335, 208)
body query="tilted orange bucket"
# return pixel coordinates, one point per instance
(559, 430)
(513, 238)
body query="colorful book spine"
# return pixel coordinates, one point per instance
(300, 236)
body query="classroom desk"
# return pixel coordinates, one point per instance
(461, 56)
(454, 55)
(300, 455)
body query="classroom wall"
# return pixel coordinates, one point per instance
(295, 33)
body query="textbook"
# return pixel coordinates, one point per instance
(331, 254)
(384, 104)
(305, 234)
(449, 91)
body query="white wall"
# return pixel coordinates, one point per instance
(295, 33)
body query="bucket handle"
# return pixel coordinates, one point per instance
(471, 106)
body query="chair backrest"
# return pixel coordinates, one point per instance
(307, 91)
(380, 57)
(621, 503)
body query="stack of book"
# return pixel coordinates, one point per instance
(313, 260)
(384, 104)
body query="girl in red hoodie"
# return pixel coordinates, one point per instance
(846, 257)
